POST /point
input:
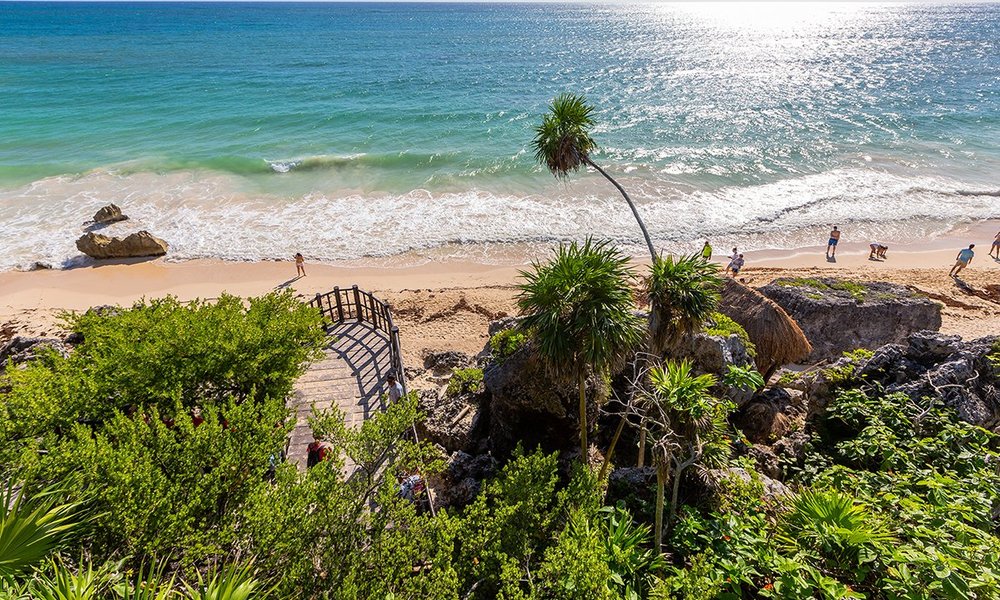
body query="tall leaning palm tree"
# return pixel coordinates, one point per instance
(563, 144)
(578, 310)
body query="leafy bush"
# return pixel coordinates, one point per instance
(465, 381)
(721, 325)
(506, 342)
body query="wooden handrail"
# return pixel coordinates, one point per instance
(354, 304)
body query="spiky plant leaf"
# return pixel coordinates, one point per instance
(31, 528)
(578, 308)
(230, 582)
(682, 292)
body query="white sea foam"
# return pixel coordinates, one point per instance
(205, 215)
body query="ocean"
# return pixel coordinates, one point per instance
(356, 132)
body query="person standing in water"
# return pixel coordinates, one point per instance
(300, 265)
(706, 251)
(965, 256)
(831, 246)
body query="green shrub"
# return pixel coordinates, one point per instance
(506, 342)
(721, 325)
(465, 381)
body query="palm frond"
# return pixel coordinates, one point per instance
(578, 308)
(682, 293)
(32, 528)
(562, 141)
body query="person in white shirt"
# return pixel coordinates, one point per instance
(394, 388)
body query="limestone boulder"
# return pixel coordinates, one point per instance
(715, 354)
(462, 478)
(837, 315)
(451, 422)
(528, 406)
(136, 245)
(109, 214)
(964, 375)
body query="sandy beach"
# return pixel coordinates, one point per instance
(447, 305)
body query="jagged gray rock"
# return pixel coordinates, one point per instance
(528, 406)
(135, 245)
(965, 375)
(462, 479)
(715, 354)
(838, 315)
(443, 362)
(21, 349)
(450, 421)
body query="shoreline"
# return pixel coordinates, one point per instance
(447, 304)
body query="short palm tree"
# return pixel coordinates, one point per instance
(688, 427)
(683, 292)
(578, 309)
(563, 143)
(831, 525)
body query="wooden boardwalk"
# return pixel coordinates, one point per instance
(358, 357)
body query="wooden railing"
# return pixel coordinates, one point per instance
(353, 304)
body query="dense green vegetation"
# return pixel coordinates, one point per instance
(148, 464)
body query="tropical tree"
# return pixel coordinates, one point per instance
(578, 309)
(688, 427)
(563, 143)
(682, 292)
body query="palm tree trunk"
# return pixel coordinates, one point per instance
(675, 487)
(611, 448)
(658, 526)
(642, 445)
(583, 417)
(635, 211)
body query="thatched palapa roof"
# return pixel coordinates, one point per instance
(778, 338)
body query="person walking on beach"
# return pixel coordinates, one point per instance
(996, 246)
(965, 256)
(300, 265)
(706, 251)
(735, 265)
(831, 246)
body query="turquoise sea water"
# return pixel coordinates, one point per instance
(251, 131)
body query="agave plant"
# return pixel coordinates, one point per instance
(578, 309)
(632, 562)
(150, 583)
(32, 528)
(230, 582)
(563, 144)
(86, 583)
